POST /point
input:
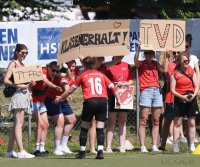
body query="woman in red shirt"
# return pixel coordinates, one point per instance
(94, 88)
(184, 86)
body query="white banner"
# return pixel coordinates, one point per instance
(42, 39)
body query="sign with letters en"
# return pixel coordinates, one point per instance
(102, 38)
(126, 95)
(27, 74)
(160, 35)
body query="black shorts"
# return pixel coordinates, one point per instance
(169, 111)
(111, 105)
(94, 107)
(182, 109)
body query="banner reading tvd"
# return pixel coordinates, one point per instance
(103, 38)
(27, 74)
(160, 35)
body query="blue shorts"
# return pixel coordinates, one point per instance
(56, 109)
(151, 97)
(40, 107)
(169, 111)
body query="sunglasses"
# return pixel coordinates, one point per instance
(55, 71)
(175, 53)
(24, 53)
(186, 61)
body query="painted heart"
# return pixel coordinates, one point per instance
(117, 24)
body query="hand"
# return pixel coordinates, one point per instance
(58, 88)
(118, 104)
(57, 100)
(70, 97)
(185, 99)
(32, 83)
(168, 53)
(190, 97)
(65, 66)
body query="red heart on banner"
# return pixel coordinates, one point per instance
(117, 24)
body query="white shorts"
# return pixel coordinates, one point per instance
(39, 107)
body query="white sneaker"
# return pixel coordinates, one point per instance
(143, 149)
(183, 139)
(192, 148)
(66, 150)
(155, 149)
(58, 152)
(196, 140)
(11, 154)
(176, 148)
(24, 154)
(122, 150)
(169, 141)
(109, 150)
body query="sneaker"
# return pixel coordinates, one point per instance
(183, 139)
(37, 153)
(66, 150)
(143, 149)
(108, 150)
(58, 152)
(169, 141)
(11, 154)
(93, 152)
(45, 152)
(24, 154)
(155, 149)
(122, 150)
(176, 148)
(100, 155)
(162, 149)
(80, 155)
(192, 148)
(196, 140)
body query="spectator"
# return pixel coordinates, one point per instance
(150, 95)
(121, 75)
(184, 86)
(19, 104)
(93, 85)
(59, 112)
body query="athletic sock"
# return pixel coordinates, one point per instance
(83, 138)
(42, 144)
(100, 138)
(64, 141)
(57, 144)
(37, 146)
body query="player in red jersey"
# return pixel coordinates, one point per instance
(184, 86)
(94, 88)
(39, 112)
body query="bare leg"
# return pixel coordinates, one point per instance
(92, 136)
(122, 117)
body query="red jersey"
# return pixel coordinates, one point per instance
(53, 93)
(94, 84)
(183, 83)
(120, 72)
(38, 87)
(169, 97)
(74, 74)
(148, 74)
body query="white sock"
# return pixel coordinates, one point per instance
(57, 144)
(42, 144)
(64, 141)
(82, 148)
(100, 148)
(37, 146)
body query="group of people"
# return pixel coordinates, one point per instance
(100, 81)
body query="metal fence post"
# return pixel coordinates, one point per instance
(29, 126)
(137, 101)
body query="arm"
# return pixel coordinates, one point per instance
(196, 67)
(51, 85)
(167, 57)
(136, 61)
(196, 86)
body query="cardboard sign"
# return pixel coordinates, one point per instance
(97, 39)
(160, 35)
(126, 95)
(27, 74)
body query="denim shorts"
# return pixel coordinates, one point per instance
(169, 111)
(151, 97)
(56, 109)
(40, 107)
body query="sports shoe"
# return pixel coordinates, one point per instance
(108, 150)
(176, 148)
(93, 151)
(183, 139)
(169, 141)
(162, 149)
(122, 150)
(37, 153)
(155, 149)
(143, 149)
(192, 148)
(100, 155)
(11, 154)
(196, 140)
(58, 152)
(80, 155)
(24, 154)
(66, 150)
